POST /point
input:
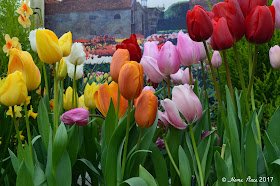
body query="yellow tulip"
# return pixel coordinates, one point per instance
(48, 47)
(14, 90)
(89, 95)
(67, 99)
(81, 102)
(22, 61)
(61, 69)
(65, 43)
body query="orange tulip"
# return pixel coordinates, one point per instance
(103, 95)
(22, 61)
(146, 109)
(119, 58)
(131, 80)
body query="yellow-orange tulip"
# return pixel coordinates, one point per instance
(48, 47)
(131, 80)
(61, 69)
(14, 90)
(146, 109)
(67, 99)
(103, 96)
(118, 59)
(22, 61)
(89, 95)
(65, 43)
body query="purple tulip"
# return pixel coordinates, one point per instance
(160, 143)
(189, 52)
(209, 132)
(274, 56)
(177, 78)
(77, 115)
(151, 69)
(186, 77)
(276, 4)
(163, 119)
(151, 49)
(149, 88)
(216, 59)
(168, 59)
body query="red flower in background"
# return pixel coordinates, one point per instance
(199, 24)
(132, 46)
(231, 11)
(221, 38)
(260, 24)
(248, 5)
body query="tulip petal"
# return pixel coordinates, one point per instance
(151, 69)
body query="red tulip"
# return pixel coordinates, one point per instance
(248, 5)
(132, 46)
(231, 11)
(260, 24)
(221, 38)
(199, 24)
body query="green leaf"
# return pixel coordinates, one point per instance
(269, 150)
(59, 145)
(135, 181)
(159, 166)
(39, 176)
(73, 143)
(110, 123)
(94, 170)
(14, 161)
(199, 126)
(24, 177)
(64, 171)
(43, 123)
(222, 171)
(28, 159)
(184, 166)
(143, 173)
(277, 162)
(274, 128)
(49, 168)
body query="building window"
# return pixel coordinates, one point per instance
(117, 16)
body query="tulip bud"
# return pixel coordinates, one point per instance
(61, 69)
(71, 70)
(276, 4)
(65, 42)
(48, 47)
(260, 24)
(77, 115)
(13, 91)
(67, 99)
(22, 61)
(77, 55)
(151, 49)
(119, 58)
(202, 51)
(146, 109)
(151, 69)
(216, 59)
(149, 88)
(168, 60)
(199, 24)
(274, 56)
(177, 78)
(131, 80)
(89, 95)
(186, 77)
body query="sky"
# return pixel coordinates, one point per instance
(160, 3)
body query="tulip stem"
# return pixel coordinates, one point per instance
(220, 83)
(126, 136)
(203, 75)
(139, 139)
(215, 84)
(118, 109)
(190, 74)
(196, 156)
(55, 109)
(253, 72)
(241, 77)
(46, 81)
(163, 89)
(170, 156)
(168, 86)
(229, 78)
(28, 127)
(16, 127)
(97, 116)
(74, 98)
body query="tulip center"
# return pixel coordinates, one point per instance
(24, 7)
(9, 45)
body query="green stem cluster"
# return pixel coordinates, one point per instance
(170, 156)
(27, 126)
(56, 92)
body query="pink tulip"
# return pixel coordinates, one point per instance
(168, 59)
(208, 133)
(189, 52)
(149, 88)
(186, 77)
(163, 119)
(151, 69)
(216, 59)
(202, 51)
(77, 115)
(177, 78)
(151, 49)
(276, 4)
(274, 56)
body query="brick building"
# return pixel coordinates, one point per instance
(89, 18)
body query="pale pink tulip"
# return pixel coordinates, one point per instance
(151, 69)
(163, 119)
(274, 56)
(177, 78)
(151, 49)
(276, 4)
(216, 59)
(149, 88)
(186, 77)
